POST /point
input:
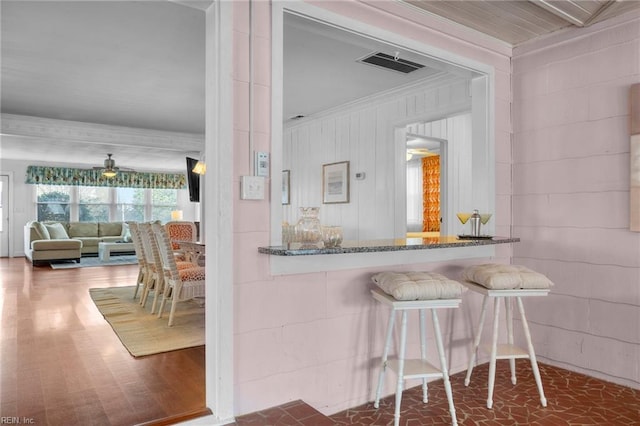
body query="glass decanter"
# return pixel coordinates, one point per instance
(308, 228)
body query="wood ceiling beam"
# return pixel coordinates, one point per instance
(551, 7)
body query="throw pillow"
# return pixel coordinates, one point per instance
(126, 233)
(56, 231)
(41, 230)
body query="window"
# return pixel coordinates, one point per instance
(102, 204)
(94, 203)
(163, 201)
(53, 202)
(130, 204)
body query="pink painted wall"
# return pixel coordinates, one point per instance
(314, 336)
(571, 196)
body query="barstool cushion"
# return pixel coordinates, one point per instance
(418, 285)
(502, 277)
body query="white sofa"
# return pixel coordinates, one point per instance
(47, 241)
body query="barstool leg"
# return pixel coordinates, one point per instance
(532, 354)
(423, 353)
(385, 355)
(494, 350)
(443, 367)
(400, 384)
(509, 320)
(476, 341)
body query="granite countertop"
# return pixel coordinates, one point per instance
(371, 246)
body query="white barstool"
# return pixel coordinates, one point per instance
(435, 292)
(505, 282)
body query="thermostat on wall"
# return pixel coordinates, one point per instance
(262, 164)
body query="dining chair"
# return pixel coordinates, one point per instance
(180, 284)
(155, 273)
(156, 280)
(181, 230)
(144, 272)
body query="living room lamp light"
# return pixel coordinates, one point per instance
(109, 173)
(176, 214)
(200, 167)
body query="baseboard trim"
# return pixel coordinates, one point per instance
(178, 418)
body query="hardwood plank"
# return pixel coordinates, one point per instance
(61, 363)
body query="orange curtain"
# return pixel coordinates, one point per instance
(431, 194)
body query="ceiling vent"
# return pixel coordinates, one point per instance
(393, 63)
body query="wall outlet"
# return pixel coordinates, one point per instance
(252, 188)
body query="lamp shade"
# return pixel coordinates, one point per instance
(200, 168)
(176, 215)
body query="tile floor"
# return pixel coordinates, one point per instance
(573, 399)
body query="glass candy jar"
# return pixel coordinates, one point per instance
(308, 228)
(332, 236)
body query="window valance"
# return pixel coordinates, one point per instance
(88, 177)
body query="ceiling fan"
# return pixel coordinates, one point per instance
(109, 169)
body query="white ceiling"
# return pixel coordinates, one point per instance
(321, 68)
(141, 65)
(132, 64)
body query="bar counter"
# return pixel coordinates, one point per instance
(376, 246)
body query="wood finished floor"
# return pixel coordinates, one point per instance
(61, 363)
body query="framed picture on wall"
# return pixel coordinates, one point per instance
(286, 176)
(335, 183)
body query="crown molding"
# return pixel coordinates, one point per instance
(91, 133)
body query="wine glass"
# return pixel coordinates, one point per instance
(463, 218)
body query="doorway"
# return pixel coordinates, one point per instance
(425, 187)
(4, 215)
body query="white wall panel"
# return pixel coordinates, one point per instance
(364, 135)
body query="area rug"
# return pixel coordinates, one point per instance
(144, 334)
(88, 262)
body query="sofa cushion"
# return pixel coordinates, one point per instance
(109, 229)
(48, 245)
(41, 231)
(56, 231)
(83, 229)
(90, 241)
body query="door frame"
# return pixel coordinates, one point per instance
(217, 205)
(10, 198)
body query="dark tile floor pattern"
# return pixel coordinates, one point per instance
(573, 399)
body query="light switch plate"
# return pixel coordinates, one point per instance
(252, 188)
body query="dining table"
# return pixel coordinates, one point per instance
(194, 251)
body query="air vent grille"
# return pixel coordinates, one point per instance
(391, 63)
